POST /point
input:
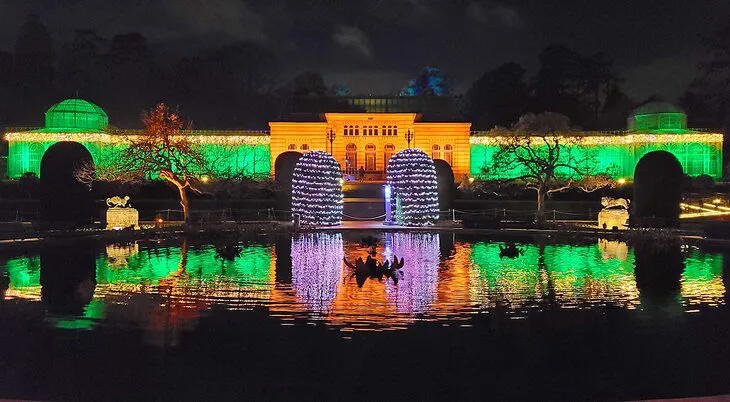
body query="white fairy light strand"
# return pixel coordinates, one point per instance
(317, 190)
(412, 177)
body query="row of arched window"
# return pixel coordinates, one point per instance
(448, 152)
(303, 147)
(352, 164)
(370, 130)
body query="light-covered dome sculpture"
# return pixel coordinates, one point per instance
(658, 116)
(317, 190)
(412, 180)
(76, 115)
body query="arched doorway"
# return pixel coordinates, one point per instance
(448, 151)
(283, 173)
(389, 151)
(63, 198)
(351, 158)
(370, 157)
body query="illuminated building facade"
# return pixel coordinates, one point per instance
(365, 132)
(651, 127)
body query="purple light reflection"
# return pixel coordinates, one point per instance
(416, 290)
(316, 269)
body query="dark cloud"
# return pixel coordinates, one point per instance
(375, 45)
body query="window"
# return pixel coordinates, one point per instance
(383, 132)
(351, 158)
(304, 147)
(390, 130)
(389, 151)
(35, 151)
(447, 153)
(357, 130)
(370, 157)
(395, 130)
(695, 160)
(435, 152)
(292, 147)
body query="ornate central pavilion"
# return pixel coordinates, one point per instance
(365, 132)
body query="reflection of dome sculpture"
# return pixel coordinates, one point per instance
(120, 215)
(615, 213)
(371, 268)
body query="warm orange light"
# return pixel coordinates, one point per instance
(159, 220)
(471, 180)
(716, 201)
(204, 179)
(621, 181)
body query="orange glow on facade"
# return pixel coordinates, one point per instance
(368, 140)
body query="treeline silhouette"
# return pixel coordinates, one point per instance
(238, 85)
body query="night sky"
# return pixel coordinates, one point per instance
(375, 46)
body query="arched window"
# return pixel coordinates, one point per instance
(447, 153)
(390, 130)
(435, 152)
(370, 157)
(695, 160)
(304, 147)
(292, 147)
(395, 130)
(383, 132)
(389, 151)
(35, 151)
(357, 130)
(351, 158)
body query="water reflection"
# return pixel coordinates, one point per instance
(166, 288)
(316, 269)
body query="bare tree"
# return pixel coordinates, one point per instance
(540, 153)
(162, 149)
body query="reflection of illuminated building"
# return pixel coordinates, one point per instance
(316, 268)
(25, 278)
(573, 275)
(117, 254)
(702, 279)
(613, 249)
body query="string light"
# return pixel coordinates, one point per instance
(412, 177)
(316, 190)
(240, 138)
(625, 139)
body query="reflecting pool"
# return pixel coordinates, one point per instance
(283, 317)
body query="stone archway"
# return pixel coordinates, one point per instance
(283, 173)
(63, 198)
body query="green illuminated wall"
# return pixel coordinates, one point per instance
(245, 160)
(696, 158)
(26, 156)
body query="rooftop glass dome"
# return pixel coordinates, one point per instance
(76, 115)
(658, 116)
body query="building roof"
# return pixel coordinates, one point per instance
(429, 108)
(656, 107)
(76, 115)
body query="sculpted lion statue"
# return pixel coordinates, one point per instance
(117, 202)
(609, 202)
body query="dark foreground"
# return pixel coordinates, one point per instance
(560, 322)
